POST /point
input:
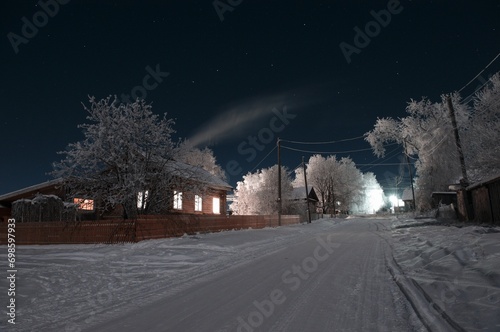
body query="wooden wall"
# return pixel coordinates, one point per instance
(480, 202)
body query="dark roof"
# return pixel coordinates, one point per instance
(487, 181)
(298, 193)
(178, 168)
(29, 191)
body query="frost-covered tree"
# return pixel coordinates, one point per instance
(257, 194)
(322, 173)
(426, 134)
(126, 150)
(373, 196)
(335, 181)
(203, 158)
(482, 137)
(298, 180)
(350, 190)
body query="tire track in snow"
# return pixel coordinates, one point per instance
(430, 314)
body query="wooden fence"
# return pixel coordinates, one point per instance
(147, 227)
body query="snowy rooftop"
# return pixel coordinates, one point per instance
(484, 182)
(199, 174)
(299, 193)
(407, 195)
(30, 189)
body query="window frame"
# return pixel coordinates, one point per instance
(198, 203)
(177, 200)
(84, 204)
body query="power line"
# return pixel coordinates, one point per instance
(326, 152)
(472, 80)
(468, 99)
(384, 159)
(260, 162)
(380, 164)
(325, 142)
(298, 166)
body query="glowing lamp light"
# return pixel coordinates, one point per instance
(375, 199)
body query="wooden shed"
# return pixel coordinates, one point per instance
(485, 198)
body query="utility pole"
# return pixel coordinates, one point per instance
(307, 192)
(411, 177)
(464, 182)
(279, 182)
(451, 110)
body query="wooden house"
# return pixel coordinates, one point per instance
(196, 192)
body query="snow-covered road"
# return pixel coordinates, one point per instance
(330, 279)
(356, 274)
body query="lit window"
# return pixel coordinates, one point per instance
(197, 203)
(177, 200)
(84, 204)
(216, 205)
(142, 198)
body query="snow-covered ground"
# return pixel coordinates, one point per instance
(335, 274)
(457, 269)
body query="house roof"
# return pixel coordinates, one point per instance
(435, 193)
(181, 169)
(407, 195)
(492, 179)
(22, 193)
(196, 173)
(298, 194)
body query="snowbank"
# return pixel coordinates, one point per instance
(456, 268)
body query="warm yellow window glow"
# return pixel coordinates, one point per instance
(216, 205)
(177, 200)
(84, 204)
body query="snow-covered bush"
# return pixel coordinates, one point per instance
(43, 208)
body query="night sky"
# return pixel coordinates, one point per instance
(220, 79)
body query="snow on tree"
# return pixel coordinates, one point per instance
(125, 151)
(373, 197)
(298, 180)
(335, 181)
(427, 134)
(482, 137)
(321, 173)
(350, 189)
(203, 158)
(257, 194)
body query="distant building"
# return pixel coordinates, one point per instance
(299, 203)
(408, 199)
